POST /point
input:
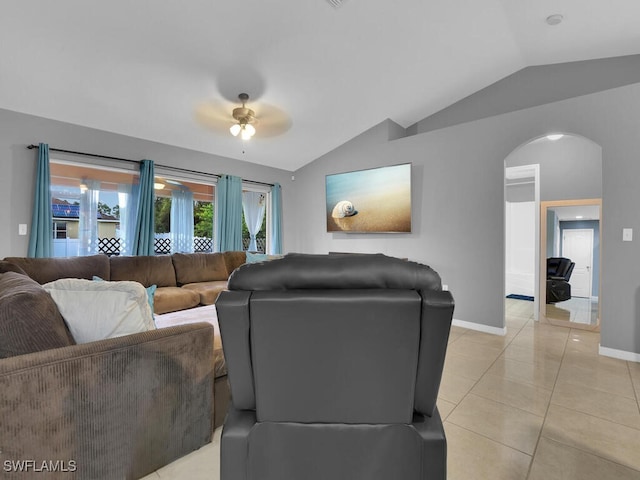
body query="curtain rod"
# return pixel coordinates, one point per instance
(177, 169)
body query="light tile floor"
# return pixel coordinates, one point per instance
(536, 404)
(576, 309)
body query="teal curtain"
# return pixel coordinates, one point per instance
(228, 234)
(275, 240)
(143, 238)
(41, 237)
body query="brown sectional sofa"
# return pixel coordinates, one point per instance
(183, 281)
(206, 273)
(116, 408)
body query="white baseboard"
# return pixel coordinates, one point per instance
(619, 354)
(480, 327)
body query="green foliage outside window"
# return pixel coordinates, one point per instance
(105, 209)
(163, 214)
(263, 229)
(202, 217)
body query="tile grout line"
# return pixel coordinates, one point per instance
(562, 360)
(598, 417)
(633, 386)
(583, 413)
(493, 440)
(477, 381)
(546, 413)
(530, 319)
(592, 453)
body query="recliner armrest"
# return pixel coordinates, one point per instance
(233, 319)
(437, 314)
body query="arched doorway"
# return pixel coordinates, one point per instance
(569, 174)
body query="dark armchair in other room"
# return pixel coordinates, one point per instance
(559, 271)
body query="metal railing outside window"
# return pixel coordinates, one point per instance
(261, 243)
(162, 245)
(112, 246)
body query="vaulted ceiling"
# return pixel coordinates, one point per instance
(144, 68)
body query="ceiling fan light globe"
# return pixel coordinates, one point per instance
(245, 134)
(235, 129)
(250, 129)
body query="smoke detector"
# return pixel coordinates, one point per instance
(554, 19)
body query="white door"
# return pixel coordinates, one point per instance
(578, 246)
(521, 248)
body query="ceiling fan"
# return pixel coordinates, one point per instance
(245, 117)
(262, 120)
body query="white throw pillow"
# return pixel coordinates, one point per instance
(99, 310)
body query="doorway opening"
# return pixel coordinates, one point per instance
(522, 234)
(569, 170)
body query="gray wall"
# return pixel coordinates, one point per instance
(537, 85)
(458, 202)
(570, 168)
(17, 167)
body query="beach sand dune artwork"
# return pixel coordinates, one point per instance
(374, 200)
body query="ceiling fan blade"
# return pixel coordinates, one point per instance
(214, 115)
(271, 121)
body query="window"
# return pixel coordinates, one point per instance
(93, 208)
(183, 215)
(88, 205)
(59, 230)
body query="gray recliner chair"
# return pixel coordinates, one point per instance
(335, 363)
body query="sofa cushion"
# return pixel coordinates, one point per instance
(234, 259)
(208, 314)
(10, 267)
(261, 257)
(151, 291)
(29, 318)
(99, 310)
(170, 299)
(208, 291)
(199, 267)
(256, 257)
(45, 270)
(147, 270)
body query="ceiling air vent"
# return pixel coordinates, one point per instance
(336, 3)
